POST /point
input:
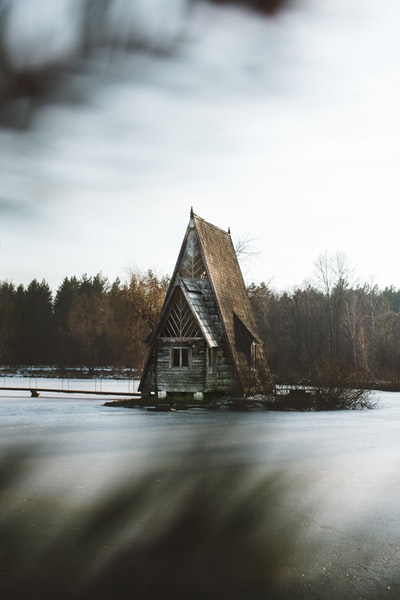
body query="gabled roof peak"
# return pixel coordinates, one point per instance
(196, 219)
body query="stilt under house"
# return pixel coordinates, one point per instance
(206, 342)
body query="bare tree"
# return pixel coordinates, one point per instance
(333, 275)
(246, 247)
(332, 271)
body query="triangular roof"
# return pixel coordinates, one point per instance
(229, 287)
(216, 256)
(226, 277)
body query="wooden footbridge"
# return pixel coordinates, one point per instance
(36, 391)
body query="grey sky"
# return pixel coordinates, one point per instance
(286, 130)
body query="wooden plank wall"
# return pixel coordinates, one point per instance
(181, 379)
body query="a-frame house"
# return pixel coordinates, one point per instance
(206, 341)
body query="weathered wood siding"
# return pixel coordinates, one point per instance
(198, 377)
(180, 379)
(226, 380)
(223, 377)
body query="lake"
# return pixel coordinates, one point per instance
(342, 468)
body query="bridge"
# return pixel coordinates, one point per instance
(35, 391)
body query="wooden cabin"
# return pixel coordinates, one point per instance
(206, 341)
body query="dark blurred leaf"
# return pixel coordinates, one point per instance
(26, 82)
(268, 7)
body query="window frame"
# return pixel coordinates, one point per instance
(180, 357)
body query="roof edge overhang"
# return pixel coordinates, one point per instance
(205, 328)
(208, 335)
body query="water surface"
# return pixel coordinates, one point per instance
(344, 466)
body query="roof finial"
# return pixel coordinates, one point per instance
(229, 230)
(191, 220)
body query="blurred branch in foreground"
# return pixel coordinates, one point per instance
(41, 44)
(268, 7)
(204, 527)
(201, 530)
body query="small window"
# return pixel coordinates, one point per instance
(180, 357)
(212, 359)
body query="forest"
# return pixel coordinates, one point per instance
(90, 322)
(327, 329)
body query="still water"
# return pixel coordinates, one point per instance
(344, 466)
(360, 449)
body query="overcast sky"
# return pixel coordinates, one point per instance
(285, 130)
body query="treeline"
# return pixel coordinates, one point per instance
(325, 329)
(330, 330)
(90, 322)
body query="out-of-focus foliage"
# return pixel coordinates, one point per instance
(200, 530)
(204, 526)
(42, 44)
(268, 7)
